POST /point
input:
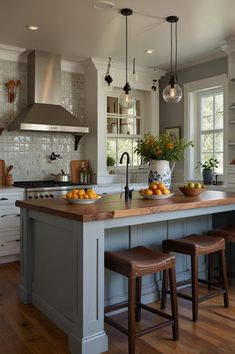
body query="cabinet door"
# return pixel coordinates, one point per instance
(9, 218)
(7, 198)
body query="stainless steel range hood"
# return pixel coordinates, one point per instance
(44, 112)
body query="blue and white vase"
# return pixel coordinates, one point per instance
(160, 171)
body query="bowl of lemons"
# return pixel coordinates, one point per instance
(192, 189)
(156, 190)
(82, 196)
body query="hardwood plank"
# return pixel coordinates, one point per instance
(24, 330)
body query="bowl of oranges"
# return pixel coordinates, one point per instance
(156, 190)
(82, 196)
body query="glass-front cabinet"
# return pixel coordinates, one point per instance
(124, 128)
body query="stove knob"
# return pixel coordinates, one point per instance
(30, 197)
(36, 196)
(52, 195)
(41, 196)
(47, 196)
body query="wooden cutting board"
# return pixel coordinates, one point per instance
(2, 172)
(75, 168)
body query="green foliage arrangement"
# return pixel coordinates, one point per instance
(209, 165)
(110, 161)
(162, 147)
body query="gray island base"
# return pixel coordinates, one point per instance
(62, 254)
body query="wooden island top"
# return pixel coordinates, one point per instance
(111, 206)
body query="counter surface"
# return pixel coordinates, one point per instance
(111, 206)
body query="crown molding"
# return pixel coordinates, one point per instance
(11, 53)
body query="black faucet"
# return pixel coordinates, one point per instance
(128, 192)
(53, 156)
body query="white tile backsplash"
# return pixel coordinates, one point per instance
(29, 152)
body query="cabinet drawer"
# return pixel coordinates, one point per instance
(9, 218)
(231, 178)
(9, 247)
(10, 198)
(9, 235)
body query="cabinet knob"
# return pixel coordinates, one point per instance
(3, 199)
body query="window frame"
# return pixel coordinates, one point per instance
(211, 92)
(191, 90)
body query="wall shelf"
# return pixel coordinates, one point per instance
(126, 136)
(232, 81)
(232, 106)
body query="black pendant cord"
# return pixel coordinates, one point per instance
(126, 48)
(176, 63)
(171, 50)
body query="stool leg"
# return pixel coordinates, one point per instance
(164, 289)
(174, 305)
(131, 315)
(210, 269)
(224, 277)
(194, 265)
(138, 299)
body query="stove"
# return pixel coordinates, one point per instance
(47, 189)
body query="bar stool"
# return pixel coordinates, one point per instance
(228, 233)
(133, 264)
(195, 246)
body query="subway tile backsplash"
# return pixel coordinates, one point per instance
(29, 152)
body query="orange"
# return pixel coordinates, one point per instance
(69, 195)
(74, 196)
(86, 196)
(80, 197)
(153, 186)
(80, 192)
(158, 192)
(148, 192)
(165, 191)
(161, 186)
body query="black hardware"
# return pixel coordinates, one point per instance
(53, 156)
(154, 87)
(108, 78)
(3, 199)
(16, 215)
(126, 12)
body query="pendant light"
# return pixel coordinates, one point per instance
(126, 98)
(173, 92)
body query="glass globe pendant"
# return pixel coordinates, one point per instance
(126, 98)
(173, 92)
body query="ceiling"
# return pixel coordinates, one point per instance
(76, 30)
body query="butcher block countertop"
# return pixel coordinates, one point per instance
(111, 206)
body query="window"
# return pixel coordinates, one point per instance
(211, 103)
(124, 127)
(204, 122)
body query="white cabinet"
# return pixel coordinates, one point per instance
(9, 223)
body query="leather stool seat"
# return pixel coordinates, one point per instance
(138, 261)
(227, 232)
(195, 246)
(134, 263)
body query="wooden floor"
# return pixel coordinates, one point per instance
(24, 330)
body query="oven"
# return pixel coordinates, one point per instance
(48, 189)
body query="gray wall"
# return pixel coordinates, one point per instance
(172, 115)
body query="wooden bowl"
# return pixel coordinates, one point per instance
(191, 192)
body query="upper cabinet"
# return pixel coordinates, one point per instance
(126, 122)
(112, 127)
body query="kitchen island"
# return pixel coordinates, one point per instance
(62, 252)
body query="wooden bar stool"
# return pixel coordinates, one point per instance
(228, 233)
(195, 246)
(133, 264)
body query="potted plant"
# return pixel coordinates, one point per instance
(208, 168)
(110, 164)
(159, 151)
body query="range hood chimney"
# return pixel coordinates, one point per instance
(44, 111)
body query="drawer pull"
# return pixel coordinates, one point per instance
(16, 215)
(3, 199)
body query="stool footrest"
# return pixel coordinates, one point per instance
(156, 311)
(115, 324)
(115, 307)
(212, 294)
(153, 327)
